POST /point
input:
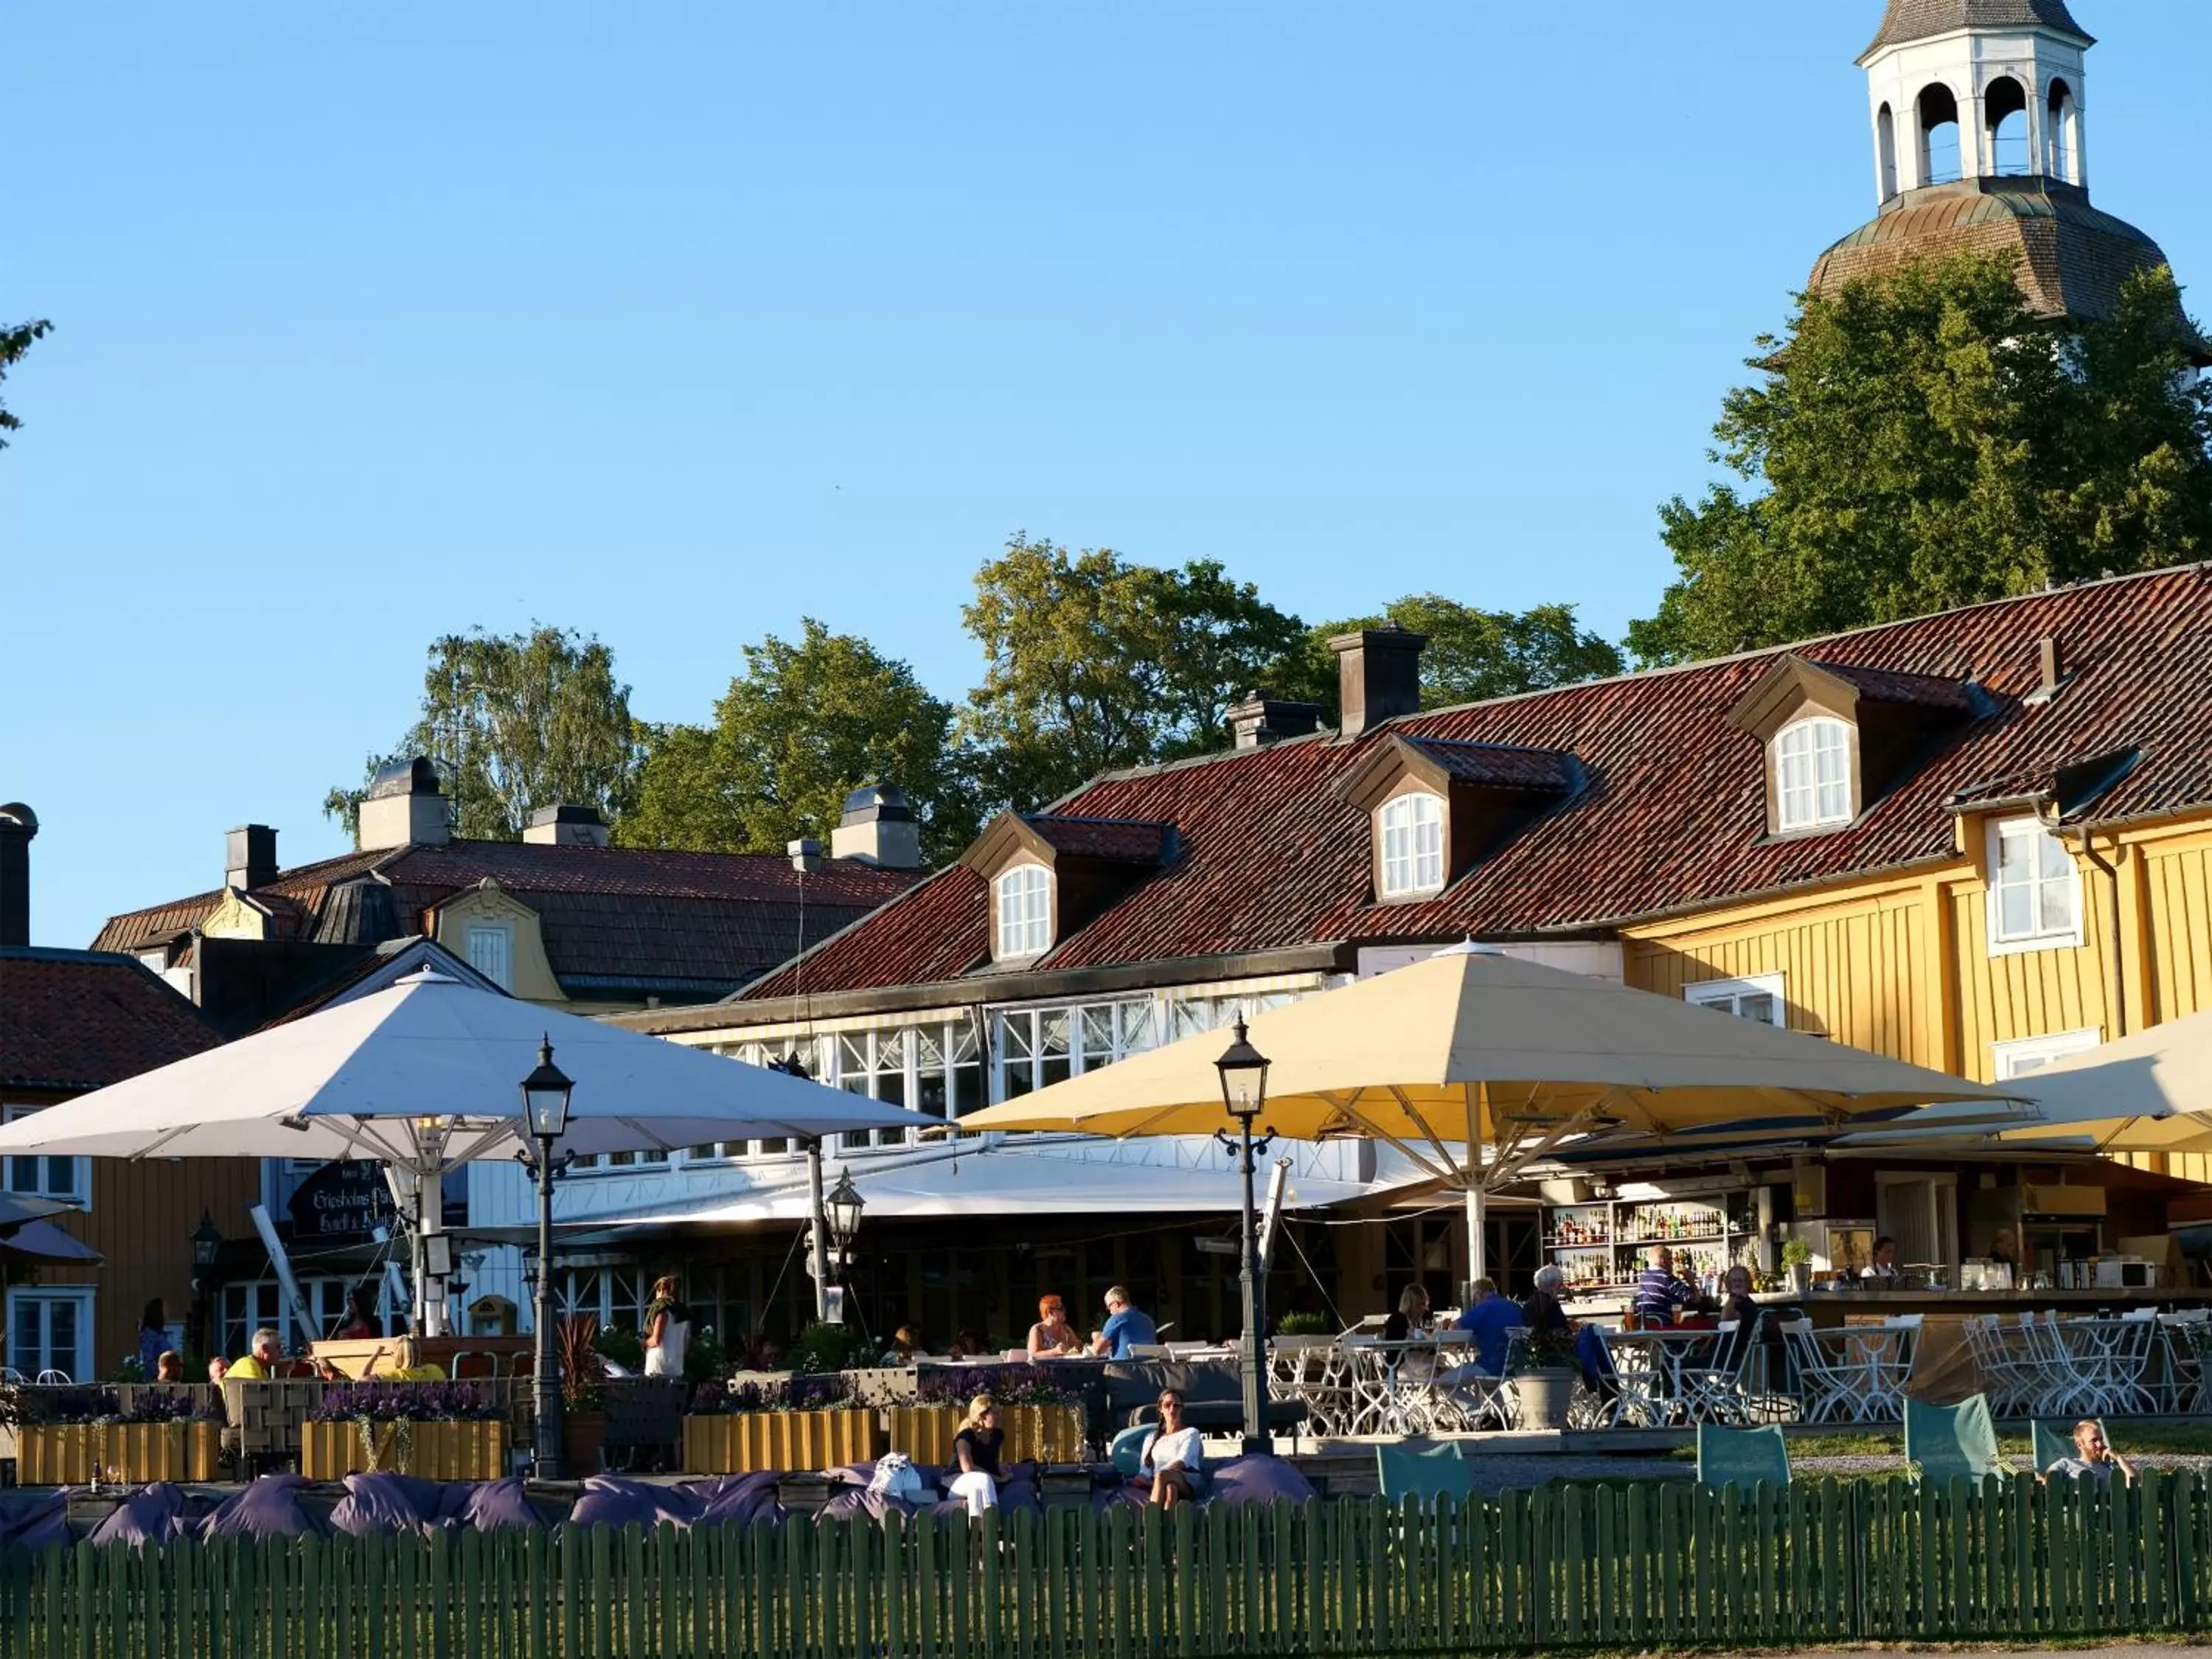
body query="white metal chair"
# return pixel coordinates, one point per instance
(1713, 1392)
(2106, 1359)
(1888, 1364)
(2182, 1379)
(53, 1377)
(1469, 1396)
(1830, 1385)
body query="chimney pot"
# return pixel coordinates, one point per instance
(1263, 719)
(568, 826)
(404, 808)
(806, 855)
(249, 856)
(2048, 660)
(877, 827)
(1378, 677)
(18, 824)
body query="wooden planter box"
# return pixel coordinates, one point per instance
(1034, 1434)
(77, 1453)
(436, 1451)
(742, 1442)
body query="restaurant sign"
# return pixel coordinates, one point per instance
(343, 1199)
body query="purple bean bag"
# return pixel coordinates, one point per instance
(158, 1514)
(269, 1508)
(499, 1506)
(741, 1498)
(31, 1523)
(392, 1503)
(1257, 1480)
(611, 1501)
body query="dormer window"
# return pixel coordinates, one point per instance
(1024, 907)
(2035, 888)
(1412, 829)
(1813, 773)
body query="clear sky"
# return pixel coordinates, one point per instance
(677, 323)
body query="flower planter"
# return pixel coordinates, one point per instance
(436, 1451)
(583, 1443)
(77, 1453)
(1544, 1397)
(743, 1442)
(1034, 1434)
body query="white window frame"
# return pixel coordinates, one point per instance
(2002, 943)
(1416, 819)
(1728, 996)
(2025, 1056)
(1813, 788)
(503, 932)
(83, 1362)
(80, 1191)
(1022, 898)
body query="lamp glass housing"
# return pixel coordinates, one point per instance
(545, 1096)
(1243, 1076)
(842, 1205)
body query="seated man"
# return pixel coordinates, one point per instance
(1659, 1294)
(1126, 1328)
(1490, 1316)
(259, 1363)
(2093, 1459)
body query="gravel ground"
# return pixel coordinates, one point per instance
(1505, 1474)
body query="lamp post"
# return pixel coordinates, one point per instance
(841, 1209)
(1244, 1092)
(206, 1241)
(545, 1111)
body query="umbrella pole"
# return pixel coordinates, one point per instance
(820, 1226)
(1477, 1266)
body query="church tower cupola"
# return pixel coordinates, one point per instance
(1970, 89)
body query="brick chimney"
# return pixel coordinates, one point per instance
(878, 828)
(1262, 719)
(404, 808)
(1378, 677)
(18, 823)
(567, 826)
(249, 856)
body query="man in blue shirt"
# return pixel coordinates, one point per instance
(1658, 1292)
(1490, 1316)
(1126, 1328)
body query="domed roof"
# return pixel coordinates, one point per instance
(1917, 20)
(2073, 258)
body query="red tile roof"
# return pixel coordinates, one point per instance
(74, 1020)
(1884, 686)
(1501, 766)
(1671, 814)
(612, 917)
(1119, 841)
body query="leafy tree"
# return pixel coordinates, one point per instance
(1471, 654)
(518, 722)
(14, 343)
(806, 723)
(1921, 442)
(1096, 663)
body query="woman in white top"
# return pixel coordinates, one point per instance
(666, 1330)
(1174, 1456)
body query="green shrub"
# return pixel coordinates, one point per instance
(826, 1347)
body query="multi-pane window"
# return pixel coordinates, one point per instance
(1813, 775)
(2035, 892)
(1412, 828)
(1194, 1014)
(47, 1177)
(1758, 998)
(247, 1309)
(1024, 911)
(1039, 1047)
(49, 1330)
(613, 1296)
(491, 951)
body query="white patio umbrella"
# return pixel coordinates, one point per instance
(426, 1076)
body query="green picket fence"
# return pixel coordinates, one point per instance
(1552, 1568)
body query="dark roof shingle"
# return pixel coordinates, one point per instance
(75, 1020)
(1919, 20)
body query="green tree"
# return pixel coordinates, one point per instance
(1471, 654)
(1094, 662)
(1921, 442)
(14, 343)
(518, 722)
(806, 723)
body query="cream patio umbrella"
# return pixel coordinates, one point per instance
(1469, 1052)
(2150, 1091)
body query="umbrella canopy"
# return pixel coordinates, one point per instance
(427, 1073)
(42, 1244)
(2147, 1092)
(1471, 1046)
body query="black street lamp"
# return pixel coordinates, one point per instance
(207, 1242)
(842, 1208)
(545, 1111)
(1244, 1092)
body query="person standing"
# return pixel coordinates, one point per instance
(976, 1449)
(153, 1338)
(361, 1323)
(667, 1329)
(1883, 1268)
(1659, 1294)
(1126, 1327)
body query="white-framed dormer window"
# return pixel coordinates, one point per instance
(1024, 911)
(491, 951)
(2035, 888)
(1813, 773)
(1412, 827)
(2026, 1054)
(1759, 997)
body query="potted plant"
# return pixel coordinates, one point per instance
(1543, 1374)
(1797, 1262)
(439, 1431)
(583, 1395)
(799, 1423)
(1304, 1330)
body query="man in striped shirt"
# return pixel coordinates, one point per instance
(1658, 1292)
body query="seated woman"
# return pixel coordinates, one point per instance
(1412, 1317)
(1174, 1456)
(1542, 1312)
(1052, 1337)
(168, 1366)
(901, 1351)
(2094, 1458)
(976, 1450)
(1736, 1305)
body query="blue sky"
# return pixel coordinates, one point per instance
(678, 323)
